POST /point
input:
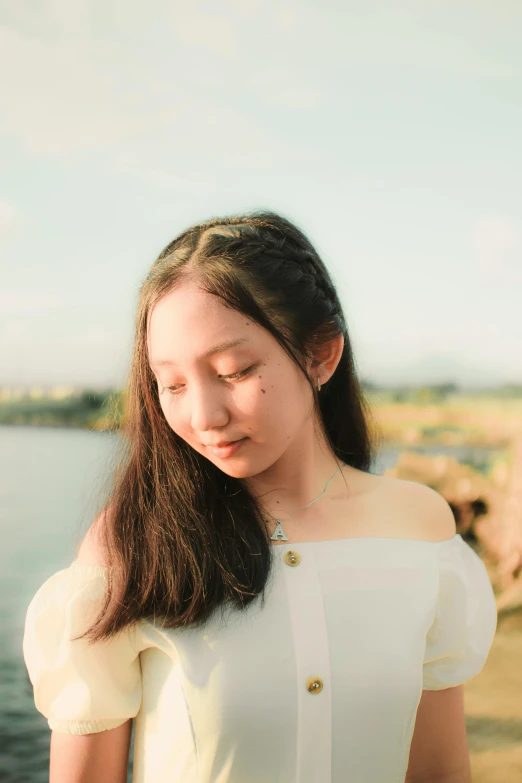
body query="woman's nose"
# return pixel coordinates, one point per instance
(207, 410)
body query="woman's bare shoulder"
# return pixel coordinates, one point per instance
(92, 549)
(419, 511)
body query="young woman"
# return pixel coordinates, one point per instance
(261, 605)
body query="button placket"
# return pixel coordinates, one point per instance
(308, 620)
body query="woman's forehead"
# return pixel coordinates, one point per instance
(179, 325)
(224, 345)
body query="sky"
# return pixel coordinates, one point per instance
(389, 132)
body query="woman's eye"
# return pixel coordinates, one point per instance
(238, 374)
(235, 376)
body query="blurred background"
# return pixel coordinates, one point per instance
(390, 133)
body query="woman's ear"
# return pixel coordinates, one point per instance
(325, 359)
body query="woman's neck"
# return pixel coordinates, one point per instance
(288, 488)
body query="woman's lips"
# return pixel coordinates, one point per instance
(227, 451)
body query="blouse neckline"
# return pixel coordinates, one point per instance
(367, 538)
(102, 569)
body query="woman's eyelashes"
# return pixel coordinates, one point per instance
(234, 376)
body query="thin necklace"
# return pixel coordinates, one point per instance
(279, 533)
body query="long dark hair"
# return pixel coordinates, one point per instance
(183, 538)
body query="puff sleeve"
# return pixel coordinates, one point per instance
(465, 620)
(80, 687)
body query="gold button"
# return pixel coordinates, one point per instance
(292, 558)
(314, 684)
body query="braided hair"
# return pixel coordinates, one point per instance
(267, 260)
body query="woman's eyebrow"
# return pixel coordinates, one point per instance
(218, 348)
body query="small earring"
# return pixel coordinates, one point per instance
(318, 383)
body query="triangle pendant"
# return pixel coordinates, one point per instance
(279, 533)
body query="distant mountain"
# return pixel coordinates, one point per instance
(437, 368)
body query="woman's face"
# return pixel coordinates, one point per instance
(251, 391)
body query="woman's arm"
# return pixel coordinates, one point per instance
(102, 757)
(91, 758)
(439, 750)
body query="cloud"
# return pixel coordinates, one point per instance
(472, 39)
(61, 97)
(206, 147)
(70, 17)
(182, 185)
(211, 32)
(243, 8)
(67, 95)
(7, 217)
(304, 97)
(498, 249)
(24, 302)
(285, 18)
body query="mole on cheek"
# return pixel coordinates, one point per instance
(264, 392)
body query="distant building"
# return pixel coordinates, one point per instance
(61, 392)
(8, 393)
(37, 392)
(12, 393)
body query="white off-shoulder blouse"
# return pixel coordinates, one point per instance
(321, 684)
